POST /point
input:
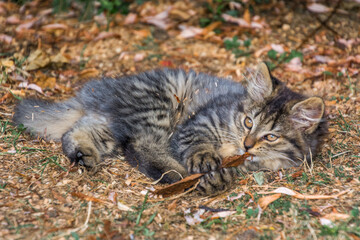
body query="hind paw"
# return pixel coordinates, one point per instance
(86, 157)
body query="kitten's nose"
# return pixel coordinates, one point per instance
(249, 143)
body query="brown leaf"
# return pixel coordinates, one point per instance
(54, 26)
(89, 73)
(179, 186)
(297, 174)
(87, 198)
(104, 35)
(191, 180)
(6, 38)
(172, 205)
(235, 160)
(247, 16)
(265, 201)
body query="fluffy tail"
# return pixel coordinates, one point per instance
(48, 119)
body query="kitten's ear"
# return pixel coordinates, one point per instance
(307, 114)
(260, 85)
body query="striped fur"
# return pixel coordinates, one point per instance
(172, 120)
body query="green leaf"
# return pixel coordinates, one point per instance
(272, 54)
(259, 177)
(294, 54)
(247, 42)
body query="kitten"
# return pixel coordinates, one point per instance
(172, 120)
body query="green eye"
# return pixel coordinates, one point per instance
(248, 123)
(271, 137)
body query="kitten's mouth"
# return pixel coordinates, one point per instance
(252, 158)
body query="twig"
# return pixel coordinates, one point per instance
(81, 228)
(162, 176)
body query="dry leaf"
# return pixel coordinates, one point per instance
(130, 18)
(179, 186)
(265, 201)
(87, 198)
(160, 20)
(336, 216)
(37, 59)
(89, 73)
(5, 38)
(104, 35)
(189, 181)
(222, 214)
(247, 16)
(295, 194)
(54, 26)
(297, 174)
(31, 86)
(189, 31)
(123, 207)
(318, 8)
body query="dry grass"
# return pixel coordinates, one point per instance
(42, 197)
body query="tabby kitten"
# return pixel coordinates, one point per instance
(172, 120)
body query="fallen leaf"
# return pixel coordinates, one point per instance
(240, 21)
(234, 161)
(160, 20)
(123, 207)
(31, 86)
(130, 18)
(180, 186)
(139, 57)
(54, 26)
(6, 38)
(240, 195)
(259, 177)
(278, 48)
(166, 63)
(194, 218)
(247, 16)
(89, 73)
(26, 25)
(105, 35)
(265, 201)
(189, 31)
(295, 194)
(13, 20)
(297, 174)
(6, 96)
(87, 198)
(222, 214)
(172, 205)
(37, 59)
(318, 8)
(333, 216)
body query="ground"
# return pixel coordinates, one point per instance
(314, 48)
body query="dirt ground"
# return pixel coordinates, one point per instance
(314, 48)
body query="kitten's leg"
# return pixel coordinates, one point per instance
(150, 153)
(88, 140)
(205, 159)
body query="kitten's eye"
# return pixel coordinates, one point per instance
(248, 123)
(271, 137)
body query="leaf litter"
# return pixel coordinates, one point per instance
(40, 200)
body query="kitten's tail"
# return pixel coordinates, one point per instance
(48, 119)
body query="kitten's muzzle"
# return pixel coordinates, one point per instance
(249, 143)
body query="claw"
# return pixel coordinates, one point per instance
(79, 154)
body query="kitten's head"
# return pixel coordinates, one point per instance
(279, 127)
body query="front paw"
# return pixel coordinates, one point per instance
(216, 182)
(203, 162)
